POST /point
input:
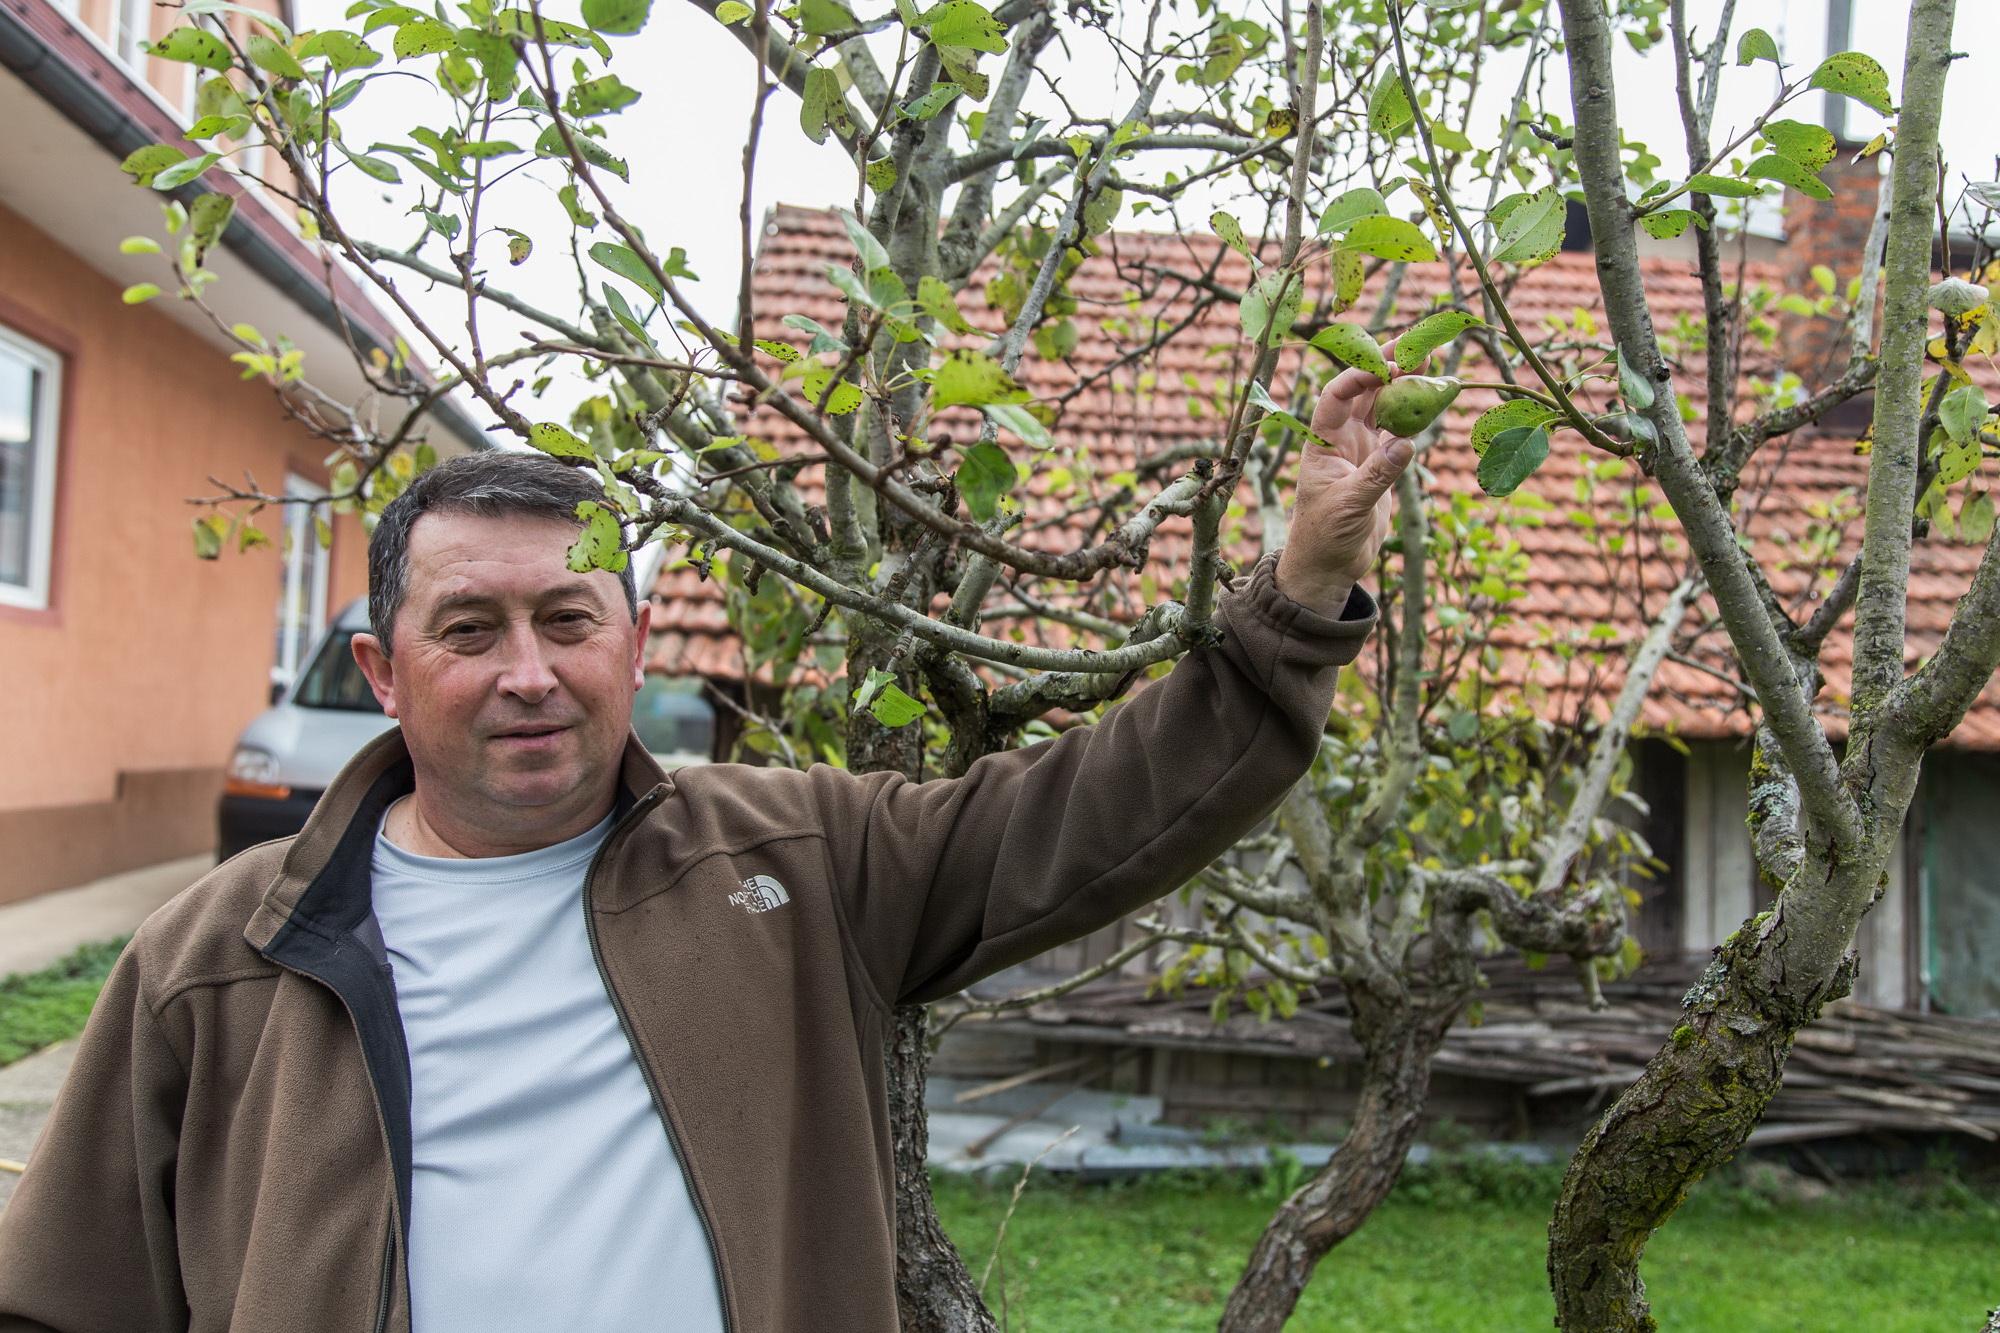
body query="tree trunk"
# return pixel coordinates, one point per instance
(1690, 1111)
(934, 1292)
(1397, 1046)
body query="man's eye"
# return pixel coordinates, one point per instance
(464, 631)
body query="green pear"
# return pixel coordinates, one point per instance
(1411, 402)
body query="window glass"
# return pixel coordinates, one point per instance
(671, 717)
(334, 680)
(28, 384)
(301, 585)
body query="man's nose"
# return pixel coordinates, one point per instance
(525, 673)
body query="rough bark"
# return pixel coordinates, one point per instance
(1398, 1042)
(934, 1292)
(1702, 1094)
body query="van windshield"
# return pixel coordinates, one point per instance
(334, 681)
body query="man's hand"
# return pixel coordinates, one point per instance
(1340, 515)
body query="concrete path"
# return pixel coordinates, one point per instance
(27, 1091)
(38, 931)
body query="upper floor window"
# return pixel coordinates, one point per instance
(30, 390)
(131, 29)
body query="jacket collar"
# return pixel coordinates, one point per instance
(325, 871)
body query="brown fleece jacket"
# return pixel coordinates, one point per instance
(232, 1147)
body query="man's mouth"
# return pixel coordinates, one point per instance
(528, 733)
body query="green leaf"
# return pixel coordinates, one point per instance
(1389, 112)
(822, 107)
(599, 97)
(1513, 413)
(373, 166)
(1432, 333)
(209, 530)
(193, 46)
(893, 708)
(824, 340)
(1351, 207)
(628, 266)
(936, 300)
(208, 127)
(208, 217)
(1270, 306)
(1512, 458)
(144, 164)
(181, 173)
(1022, 423)
(1449, 139)
(1261, 397)
(550, 144)
(519, 246)
(1975, 519)
(1669, 223)
(1755, 45)
(937, 99)
(1723, 187)
(1636, 388)
(844, 398)
(621, 18)
(1962, 413)
(422, 37)
(1349, 273)
(873, 255)
(881, 175)
(342, 50)
(819, 18)
(1772, 167)
(732, 12)
(578, 214)
(1389, 238)
(1852, 74)
(601, 544)
(985, 474)
(269, 55)
(1811, 146)
(553, 439)
(138, 245)
(961, 66)
(139, 293)
(1230, 232)
(623, 313)
(1352, 345)
(1530, 227)
(964, 23)
(973, 379)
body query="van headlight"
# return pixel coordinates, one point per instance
(250, 764)
(254, 772)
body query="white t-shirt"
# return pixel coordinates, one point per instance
(546, 1194)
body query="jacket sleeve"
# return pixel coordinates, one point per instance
(942, 883)
(87, 1241)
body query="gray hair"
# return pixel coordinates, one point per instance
(490, 484)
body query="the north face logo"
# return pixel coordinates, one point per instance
(760, 893)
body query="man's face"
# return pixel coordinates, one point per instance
(513, 678)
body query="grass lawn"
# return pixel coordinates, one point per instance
(39, 1009)
(1461, 1249)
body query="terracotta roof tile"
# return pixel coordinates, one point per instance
(1570, 585)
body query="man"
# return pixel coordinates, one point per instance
(522, 1033)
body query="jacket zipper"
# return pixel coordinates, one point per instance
(638, 1058)
(388, 1276)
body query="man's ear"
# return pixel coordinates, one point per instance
(642, 634)
(376, 666)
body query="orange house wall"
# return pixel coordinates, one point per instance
(147, 661)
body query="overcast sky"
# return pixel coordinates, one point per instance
(686, 133)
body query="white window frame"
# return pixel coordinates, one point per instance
(300, 545)
(47, 443)
(131, 30)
